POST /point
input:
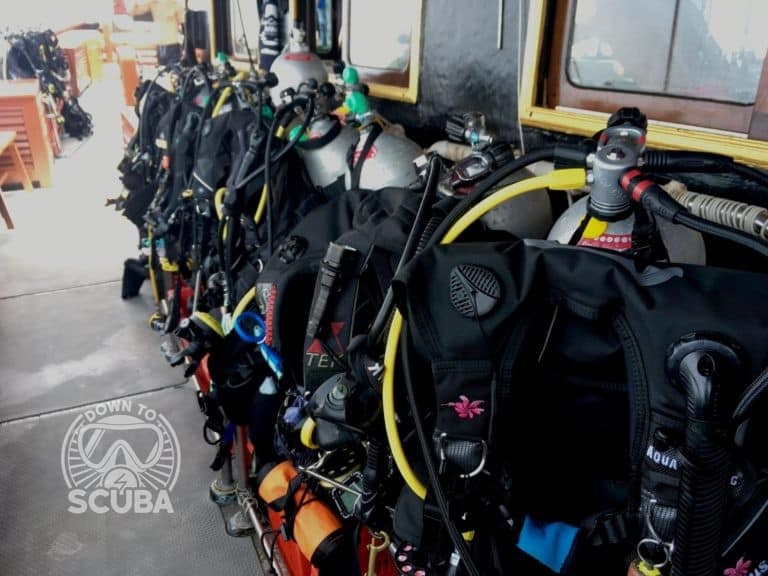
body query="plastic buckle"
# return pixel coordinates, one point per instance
(441, 442)
(481, 466)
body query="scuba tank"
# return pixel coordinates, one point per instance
(682, 244)
(327, 164)
(605, 218)
(381, 158)
(327, 143)
(388, 163)
(325, 149)
(297, 65)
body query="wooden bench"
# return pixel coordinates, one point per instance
(8, 146)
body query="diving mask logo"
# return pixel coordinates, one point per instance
(120, 456)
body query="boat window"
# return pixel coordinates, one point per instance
(380, 33)
(704, 49)
(239, 35)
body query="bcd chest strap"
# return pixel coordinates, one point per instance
(465, 393)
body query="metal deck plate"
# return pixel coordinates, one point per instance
(73, 347)
(38, 535)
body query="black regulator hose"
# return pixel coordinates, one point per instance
(268, 167)
(699, 162)
(655, 199)
(284, 109)
(411, 248)
(750, 397)
(457, 539)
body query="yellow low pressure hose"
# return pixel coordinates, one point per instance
(244, 302)
(225, 94)
(263, 200)
(569, 179)
(218, 200)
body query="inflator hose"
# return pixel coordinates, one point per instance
(411, 247)
(225, 94)
(703, 367)
(567, 179)
(308, 114)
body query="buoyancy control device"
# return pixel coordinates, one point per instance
(645, 464)
(37, 54)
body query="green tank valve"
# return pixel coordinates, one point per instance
(295, 131)
(266, 112)
(357, 103)
(222, 57)
(350, 75)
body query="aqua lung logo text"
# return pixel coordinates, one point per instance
(120, 456)
(661, 458)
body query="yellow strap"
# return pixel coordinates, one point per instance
(218, 200)
(218, 204)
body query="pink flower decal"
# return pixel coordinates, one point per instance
(466, 409)
(741, 569)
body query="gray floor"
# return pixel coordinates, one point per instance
(68, 341)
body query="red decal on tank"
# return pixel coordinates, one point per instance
(617, 242)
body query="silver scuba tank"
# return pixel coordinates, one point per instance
(527, 216)
(327, 164)
(296, 65)
(683, 245)
(389, 162)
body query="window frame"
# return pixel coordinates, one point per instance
(541, 103)
(389, 84)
